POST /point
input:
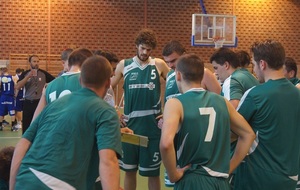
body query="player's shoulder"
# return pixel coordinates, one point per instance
(159, 61)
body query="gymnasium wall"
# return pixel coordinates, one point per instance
(49, 26)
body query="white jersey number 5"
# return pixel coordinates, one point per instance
(211, 123)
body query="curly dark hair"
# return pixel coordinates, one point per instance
(6, 155)
(146, 36)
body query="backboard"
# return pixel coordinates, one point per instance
(208, 28)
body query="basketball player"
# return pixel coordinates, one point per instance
(142, 105)
(199, 122)
(272, 109)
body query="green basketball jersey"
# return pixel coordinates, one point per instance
(272, 109)
(142, 97)
(66, 140)
(171, 86)
(204, 136)
(237, 84)
(62, 85)
(295, 81)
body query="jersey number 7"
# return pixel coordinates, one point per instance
(211, 122)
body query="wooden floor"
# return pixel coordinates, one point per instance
(9, 138)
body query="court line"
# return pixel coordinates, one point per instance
(10, 137)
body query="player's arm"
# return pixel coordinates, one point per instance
(245, 134)
(118, 74)
(173, 113)
(21, 83)
(234, 103)
(162, 67)
(109, 169)
(42, 103)
(19, 153)
(298, 86)
(210, 82)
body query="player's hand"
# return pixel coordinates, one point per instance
(122, 121)
(126, 130)
(160, 121)
(44, 89)
(180, 173)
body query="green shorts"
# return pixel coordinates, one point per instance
(248, 177)
(146, 160)
(194, 180)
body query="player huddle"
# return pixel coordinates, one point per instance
(243, 134)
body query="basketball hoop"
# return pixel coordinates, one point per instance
(218, 41)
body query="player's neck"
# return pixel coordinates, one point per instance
(101, 92)
(273, 75)
(137, 59)
(190, 86)
(74, 69)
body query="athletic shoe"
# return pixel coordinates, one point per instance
(168, 183)
(18, 126)
(14, 128)
(4, 123)
(1, 128)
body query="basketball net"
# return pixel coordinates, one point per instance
(218, 41)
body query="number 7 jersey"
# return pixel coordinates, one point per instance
(203, 138)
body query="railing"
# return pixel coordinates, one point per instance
(51, 63)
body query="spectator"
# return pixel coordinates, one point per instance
(33, 82)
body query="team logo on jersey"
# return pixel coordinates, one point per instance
(133, 76)
(150, 86)
(170, 84)
(5, 79)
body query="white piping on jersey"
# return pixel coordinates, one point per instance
(254, 144)
(51, 182)
(172, 96)
(179, 151)
(151, 61)
(135, 64)
(128, 68)
(127, 166)
(215, 173)
(244, 97)
(170, 76)
(226, 88)
(155, 106)
(142, 113)
(70, 73)
(195, 90)
(156, 167)
(295, 178)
